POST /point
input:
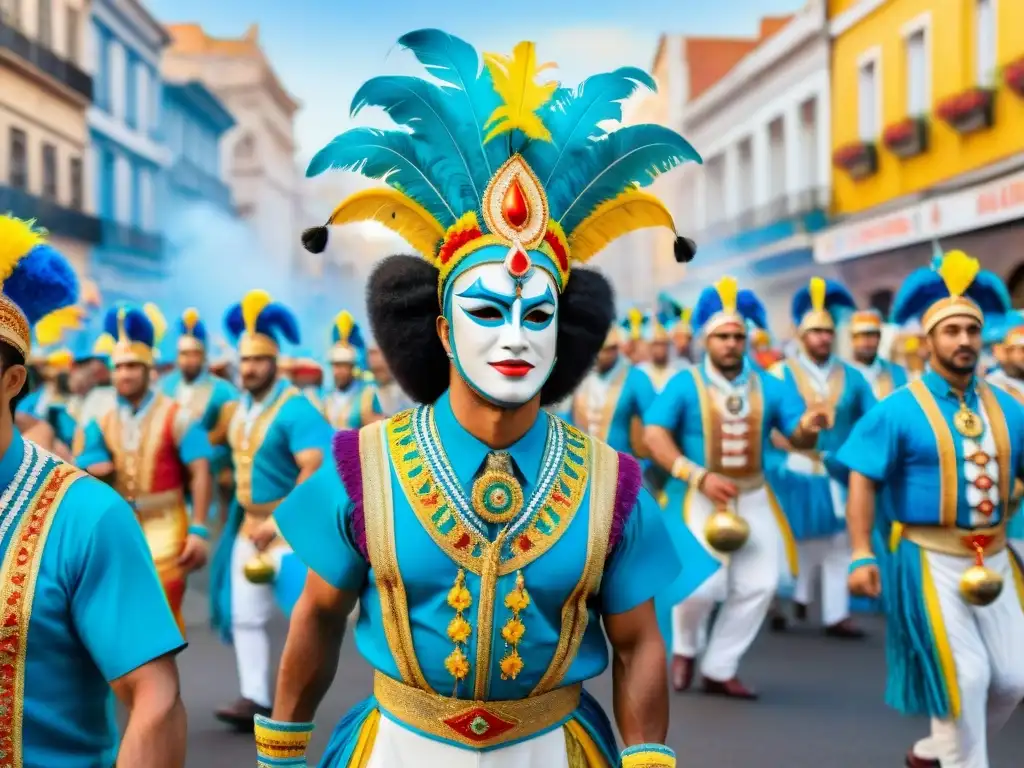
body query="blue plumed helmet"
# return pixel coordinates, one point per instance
(634, 324)
(136, 331)
(35, 278)
(258, 325)
(192, 335)
(821, 305)
(724, 303)
(492, 165)
(953, 285)
(347, 343)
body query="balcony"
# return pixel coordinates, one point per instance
(805, 209)
(121, 237)
(192, 180)
(13, 44)
(52, 217)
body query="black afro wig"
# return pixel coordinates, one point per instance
(401, 297)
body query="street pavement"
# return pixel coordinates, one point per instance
(821, 706)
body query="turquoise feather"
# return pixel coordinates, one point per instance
(428, 112)
(395, 157)
(601, 170)
(573, 116)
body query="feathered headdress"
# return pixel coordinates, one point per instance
(346, 339)
(866, 321)
(191, 331)
(1012, 330)
(35, 280)
(955, 285)
(725, 304)
(497, 167)
(677, 316)
(103, 348)
(660, 323)
(136, 332)
(60, 359)
(817, 306)
(258, 324)
(634, 324)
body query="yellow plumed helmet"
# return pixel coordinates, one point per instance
(156, 317)
(343, 325)
(253, 303)
(51, 329)
(60, 358)
(190, 319)
(104, 345)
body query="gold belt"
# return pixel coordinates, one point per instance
(157, 502)
(474, 724)
(958, 542)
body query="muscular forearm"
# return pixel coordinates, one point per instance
(860, 512)
(309, 661)
(663, 448)
(640, 692)
(201, 488)
(156, 734)
(802, 439)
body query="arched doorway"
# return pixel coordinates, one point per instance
(1015, 284)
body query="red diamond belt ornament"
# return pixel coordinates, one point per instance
(479, 725)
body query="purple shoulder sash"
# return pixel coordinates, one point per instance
(345, 448)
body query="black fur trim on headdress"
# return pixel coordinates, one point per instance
(314, 239)
(685, 249)
(401, 299)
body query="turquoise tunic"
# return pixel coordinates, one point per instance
(898, 447)
(211, 395)
(98, 612)
(298, 426)
(633, 396)
(807, 499)
(355, 392)
(317, 521)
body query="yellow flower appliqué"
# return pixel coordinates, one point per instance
(512, 633)
(511, 666)
(459, 630)
(459, 597)
(457, 664)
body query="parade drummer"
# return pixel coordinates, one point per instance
(85, 618)
(814, 500)
(866, 335)
(158, 460)
(949, 447)
(501, 537)
(351, 402)
(710, 428)
(277, 439)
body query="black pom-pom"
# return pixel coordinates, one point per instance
(685, 250)
(314, 240)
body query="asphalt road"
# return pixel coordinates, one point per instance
(821, 707)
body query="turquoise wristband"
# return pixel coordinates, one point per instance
(647, 756)
(199, 530)
(861, 562)
(281, 744)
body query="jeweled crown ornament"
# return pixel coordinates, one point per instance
(495, 165)
(980, 585)
(725, 531)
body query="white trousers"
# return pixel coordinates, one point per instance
(829, 559)
(744, 585)
(986, 643)
(252, 605)
(398, 747)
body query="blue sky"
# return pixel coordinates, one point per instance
(325, 51)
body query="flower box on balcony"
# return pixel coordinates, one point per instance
(1013, 76)
(859, 159)
(968, 111)
(907, 138)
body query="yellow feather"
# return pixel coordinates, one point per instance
(684, 315)
(628, 212)
(156, 317)
(958, 271)
(60, 358)
(515, 81)
(50, 329)
(253, 303)
(817, 289)
(104, 345)
(636, 319)
(728, 290)
(399, 213)
(344, 322)
(17, 238)
(190, 319)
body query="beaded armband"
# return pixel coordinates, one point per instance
(687, 471)
(279, 744)
(648, 756)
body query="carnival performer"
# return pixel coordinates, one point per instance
(950, 447)
(681, 329)
(84, 614)
(814, 501)
(351, 402)
(659, 367)
(277, 439)
(99, 394)
(1010, 378)
(152, 453)
(534, 531)
(307, 375)
(866, 334)
(710, 428)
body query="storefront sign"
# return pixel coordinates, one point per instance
(985, 205)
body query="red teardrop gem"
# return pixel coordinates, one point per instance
(519, 264)
(514, 206)
(986, 507)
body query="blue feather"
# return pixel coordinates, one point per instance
(137, 325)
(441, 133)
(837, 300)
(399, 160)
(989, 292)
(355, 338)
(455, 63)
(573, 117)
(199, 331)
(709, 303)
(42, 282)
(601, 170)
(750, 306)
(234, 322)
(923, 287)
(277, 321)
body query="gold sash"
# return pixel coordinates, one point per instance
(244, 447)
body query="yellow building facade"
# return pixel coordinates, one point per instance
(919, 55)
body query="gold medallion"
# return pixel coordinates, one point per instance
(734, 404)
(497, 495)
(968, 423)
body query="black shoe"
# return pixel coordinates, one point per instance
(241, 714)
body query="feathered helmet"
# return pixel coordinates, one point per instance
(497, 167)
(191, 331)
(954, 286)
(103, 348)
(346, 339)
(1013, 329)
(35, 280)
(725, 304)
(136, 331)
(634, 324)
(657, 331)
(819, 304)
(866, 321)
(677, 317)
(258, 324)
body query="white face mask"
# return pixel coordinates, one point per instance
(504, 345)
